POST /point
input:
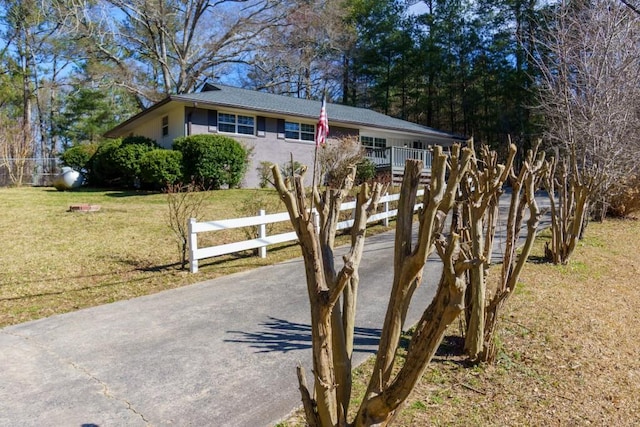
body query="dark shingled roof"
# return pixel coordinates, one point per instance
(228, 96)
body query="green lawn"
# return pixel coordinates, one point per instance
(54, 261)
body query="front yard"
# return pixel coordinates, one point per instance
(55, 261)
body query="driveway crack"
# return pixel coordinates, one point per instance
(105, 388)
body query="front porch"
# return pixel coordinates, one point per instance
(391, 160)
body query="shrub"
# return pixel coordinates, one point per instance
(251, 205)
(625, 197)
(289, 169)
(79, 157)
(184, 202)
(214, 160)
(117, 162)
(127, 160)
(160, 167)
(337, 158)
(139, 140)
(264, 174)
(103, 171)
(365, 171)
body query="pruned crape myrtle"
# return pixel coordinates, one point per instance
(332, 324)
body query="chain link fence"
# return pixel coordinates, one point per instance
(28, 171)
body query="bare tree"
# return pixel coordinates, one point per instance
(184, 201)
(336, 158)
(632, 6)
(387, 390)
(31, 52)
(573, 187)
(16, 150)
(332, 327)
(166, 46)
(303, 56)
(523, 188)
(481, 190)
(331, 358)
(590, 76)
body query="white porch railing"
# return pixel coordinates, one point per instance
(261, 220)
(396, 157)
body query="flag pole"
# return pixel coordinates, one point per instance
(313, 184)
(322, 131)
(315, 164)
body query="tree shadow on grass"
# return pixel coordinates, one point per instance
(137, 267)
(130, 193)
(451, 350)
(451, 345)
(70, 291)
(108, 192)
(279, 335)
(537, 259)
(145, 267)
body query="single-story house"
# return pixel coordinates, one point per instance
(276, 127)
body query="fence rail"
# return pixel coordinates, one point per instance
(263, 240)
(396, 157)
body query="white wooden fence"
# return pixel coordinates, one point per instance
(261, 220)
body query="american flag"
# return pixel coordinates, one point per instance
(322, 130)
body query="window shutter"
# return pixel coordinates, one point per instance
(189, 121)
(262, 126)
(212, 120)
(280, 128)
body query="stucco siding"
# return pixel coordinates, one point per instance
(197, 121)
(152, 128)
(274, 150)
(272, 147)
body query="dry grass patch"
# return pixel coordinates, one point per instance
(569, 353)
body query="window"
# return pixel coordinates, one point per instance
(165, 126)
(299, 131)
(232, 123)
(420, 145)
(371, 142)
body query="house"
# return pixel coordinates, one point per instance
(276, 127)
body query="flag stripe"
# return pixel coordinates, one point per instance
(322, 130)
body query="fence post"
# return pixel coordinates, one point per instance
(193, 246)
(386, 211)
(262, 233)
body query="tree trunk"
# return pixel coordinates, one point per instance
(408, 267)
(574, 188)
(332, 330)
(482, 187)
(380, 408)
(522, 196)
(475, 330)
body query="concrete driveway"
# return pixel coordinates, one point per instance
(218, 353)
(221, 352)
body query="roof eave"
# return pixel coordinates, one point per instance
(434, 133)
(114, 132)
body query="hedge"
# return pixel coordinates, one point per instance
(160, 167)
(214, 160)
